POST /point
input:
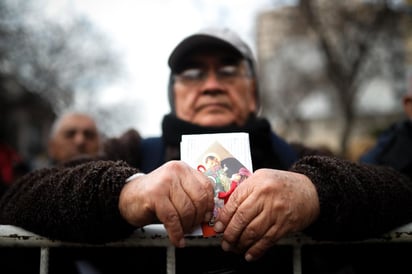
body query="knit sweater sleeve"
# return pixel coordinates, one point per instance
(357, 201)
(73, 203)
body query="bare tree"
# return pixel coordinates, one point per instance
(45, 64)
(53, 59)
(330, 49)
(287, 79)
(359, 41)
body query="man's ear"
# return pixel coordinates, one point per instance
(407, 105)
(253, 104)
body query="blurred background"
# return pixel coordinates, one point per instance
(332, 72)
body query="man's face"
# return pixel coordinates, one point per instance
(407, 105)
(214, 88)
(76, 135)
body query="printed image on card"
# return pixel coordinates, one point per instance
(225, 158)
(225, 172)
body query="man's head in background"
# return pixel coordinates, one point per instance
(73, 135)
(407, 100)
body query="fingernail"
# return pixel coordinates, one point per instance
(248, 257)
(218, 227)
(225, 246)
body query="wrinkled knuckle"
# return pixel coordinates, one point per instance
(269, 241)
(260, 171)
(172, 218)
(252, 233)
(206, 185)
(175, 165)
(269, 188)
(241, 218)
(203, 196)
(188, 212)
(234, 200)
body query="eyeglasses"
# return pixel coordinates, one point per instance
(88, 134)
(227, 74)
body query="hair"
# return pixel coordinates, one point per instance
(211, 156)
(58, 121)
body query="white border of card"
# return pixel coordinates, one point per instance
(233, 148)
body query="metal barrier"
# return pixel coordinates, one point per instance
(155, 236)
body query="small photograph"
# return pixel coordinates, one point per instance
(225, 172)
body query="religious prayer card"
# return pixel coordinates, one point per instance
(225, 159)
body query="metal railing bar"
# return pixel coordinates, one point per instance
(171, 260)
(156, 236)
(44, 260)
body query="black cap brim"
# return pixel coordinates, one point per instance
(194, 42)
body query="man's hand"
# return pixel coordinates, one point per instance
(174, 194)
(267, 206)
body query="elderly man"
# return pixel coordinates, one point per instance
(73, 134)
(394, 145)
(213, 88)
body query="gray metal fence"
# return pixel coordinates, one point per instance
(155, 236)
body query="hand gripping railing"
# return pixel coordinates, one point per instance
(155, 236)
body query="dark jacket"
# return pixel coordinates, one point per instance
(79, 202)
(393, 148)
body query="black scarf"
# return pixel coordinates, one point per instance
(259, 130)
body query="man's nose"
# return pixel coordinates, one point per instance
(79, 138)
(212, 81)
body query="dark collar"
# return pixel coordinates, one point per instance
(264, 154)
(173, 128)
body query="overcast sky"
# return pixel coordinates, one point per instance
(145, 32)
